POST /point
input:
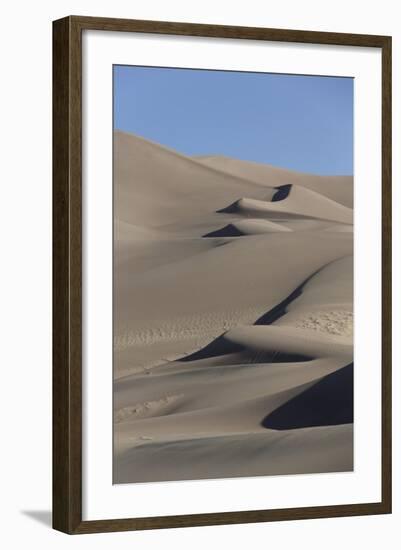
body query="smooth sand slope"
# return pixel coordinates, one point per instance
(233, 318)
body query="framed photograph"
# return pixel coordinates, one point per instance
(222, 271)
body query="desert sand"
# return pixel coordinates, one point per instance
(233, 317)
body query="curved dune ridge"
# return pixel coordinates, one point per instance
(299, 203)
(338, 188)
(247, 227)
(233, 317)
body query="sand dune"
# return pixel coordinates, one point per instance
(248, 227)
(154, 186)
(232, 317)
(299, 203)
(177, 298)
(327, 449)
(338, 188)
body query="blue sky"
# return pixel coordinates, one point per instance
(300, 122)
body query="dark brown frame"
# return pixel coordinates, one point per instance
(67, 278)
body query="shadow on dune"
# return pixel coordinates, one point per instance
(230, 209)
(220, 346)
(282, 192)
(328, 402)
(245, 355)
(216, 348)
(281, 309)
(226, 231)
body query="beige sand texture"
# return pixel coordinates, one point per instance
(233, 317)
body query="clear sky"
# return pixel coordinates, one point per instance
(300, 122)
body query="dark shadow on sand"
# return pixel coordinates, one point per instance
(282, 192)
(329, 402)
(280, 309)
(226, 231)
(221, 346)
(216, 348)
(230, 209)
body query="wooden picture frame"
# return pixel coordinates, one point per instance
(67, 274)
